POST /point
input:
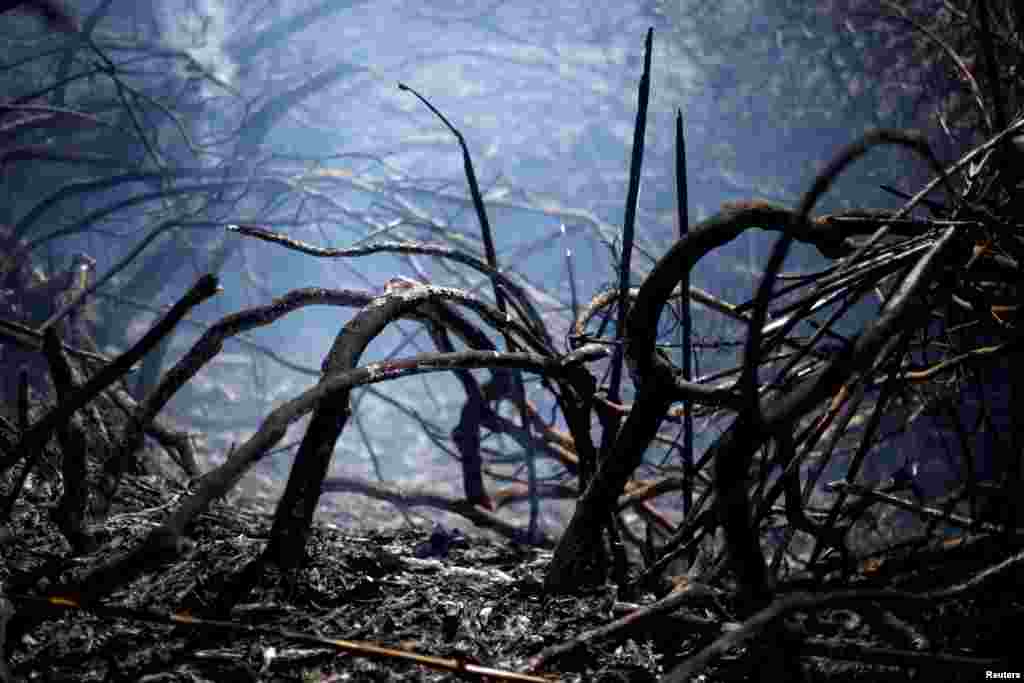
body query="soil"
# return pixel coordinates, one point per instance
(465, 600)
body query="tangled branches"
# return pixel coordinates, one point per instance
(907, 310)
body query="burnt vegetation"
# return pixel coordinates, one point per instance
(724, 461)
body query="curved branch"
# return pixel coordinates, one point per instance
(520, 298)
